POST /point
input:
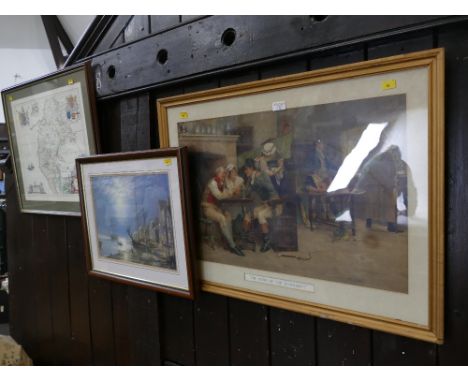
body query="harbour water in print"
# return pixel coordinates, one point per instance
(134, 219)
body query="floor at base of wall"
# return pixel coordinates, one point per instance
(4, 330)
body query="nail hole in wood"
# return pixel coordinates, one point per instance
(111, 71)
(228, 37)
(162, 56)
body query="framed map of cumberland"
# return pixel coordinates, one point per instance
(51, 122)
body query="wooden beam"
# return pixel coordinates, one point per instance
(200, 50)
(56, 35)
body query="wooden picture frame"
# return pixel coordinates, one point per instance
(51, 121)
(350, 225)
(135, 210)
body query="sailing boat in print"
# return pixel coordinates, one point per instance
(166, 232)
(156, 236)
(140, 237)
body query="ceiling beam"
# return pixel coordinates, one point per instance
(56, 35)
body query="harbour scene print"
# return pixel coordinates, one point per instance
(134, 219)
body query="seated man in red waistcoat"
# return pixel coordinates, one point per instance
(215, 191)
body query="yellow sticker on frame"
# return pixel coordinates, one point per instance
(387, 85)
(183, 115)
(167, 161)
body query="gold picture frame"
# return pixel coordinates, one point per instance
(322, 236)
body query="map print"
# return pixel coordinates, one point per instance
(51, 133)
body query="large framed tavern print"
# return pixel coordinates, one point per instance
(51, 122)
(323, 192)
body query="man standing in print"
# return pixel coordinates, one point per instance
(215, 191)
(271, 163)
(322, 170)
(384, 178)
(267, 203)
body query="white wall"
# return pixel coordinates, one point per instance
(24, 50)
(75, 25)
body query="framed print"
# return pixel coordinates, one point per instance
(51, 121)
(323, 192)
(134, 214)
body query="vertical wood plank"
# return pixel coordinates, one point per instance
(143, 141)
(391, 350)
(136, 326)
(143, 322)
(211, 330)
(22, 301)
(249, 333)
(81, 349)
(109, 126)
(342, 344)
(176, 330)
(453, 39)
(39, 276)
(128, 124)
(135, 123)
(283, 69)
(101, 322)
(200, 85)
(412, 42)
(122, 339)
(292, 338)
(59, 289)
(340, 57)
(239, 78)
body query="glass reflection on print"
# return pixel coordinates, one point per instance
(134, 219)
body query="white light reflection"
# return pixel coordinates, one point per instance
(344, 217)
(368, 141)
(400, 202)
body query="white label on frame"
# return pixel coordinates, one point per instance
(279, 282)
(278, 106)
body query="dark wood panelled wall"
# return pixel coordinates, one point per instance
(63, 317)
